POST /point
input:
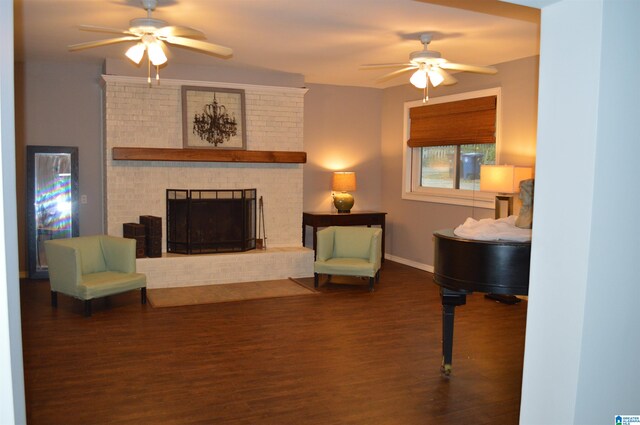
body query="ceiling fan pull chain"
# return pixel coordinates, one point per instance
(425, 93)
(148, 71)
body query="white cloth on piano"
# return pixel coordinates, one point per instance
(489, 229)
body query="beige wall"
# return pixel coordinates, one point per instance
(411, 223)
(59, 104)
(342, 133)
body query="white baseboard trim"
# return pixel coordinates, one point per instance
(410, 263)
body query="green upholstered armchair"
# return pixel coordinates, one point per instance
(89, 267)
(348, 251)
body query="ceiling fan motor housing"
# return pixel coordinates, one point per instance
(146, 25)
(424, 56)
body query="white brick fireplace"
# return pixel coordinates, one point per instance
(139, 116)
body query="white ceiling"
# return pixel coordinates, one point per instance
(324, 40)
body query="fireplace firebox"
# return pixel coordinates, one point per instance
(211, 221)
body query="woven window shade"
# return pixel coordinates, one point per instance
(454, 123)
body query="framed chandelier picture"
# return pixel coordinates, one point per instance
(213, 118)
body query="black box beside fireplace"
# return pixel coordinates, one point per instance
(211, 221)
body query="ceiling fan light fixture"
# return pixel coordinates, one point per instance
(156, 55)
(419, 79)
(136, 52)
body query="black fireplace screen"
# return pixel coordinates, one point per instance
(210, 221)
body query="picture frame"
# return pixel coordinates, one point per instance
(213, 118)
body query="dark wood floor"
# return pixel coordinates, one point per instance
(345, 356)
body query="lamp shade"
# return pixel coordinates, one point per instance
(419, 79)
(503, 178)
(344, 181)
(156, 55)
(435, 77)
(136, 52)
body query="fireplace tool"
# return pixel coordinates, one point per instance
(261, 240)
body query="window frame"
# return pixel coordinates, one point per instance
(411, 159)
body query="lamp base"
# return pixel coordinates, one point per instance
(500, 199)
(343, 202)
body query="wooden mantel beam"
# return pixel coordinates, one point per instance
(207, 155)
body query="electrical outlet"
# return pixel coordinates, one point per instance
(83, 199)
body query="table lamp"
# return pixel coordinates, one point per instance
(505, 180)
(343, 182)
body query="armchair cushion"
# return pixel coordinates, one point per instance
(101, 284)
(345, 267)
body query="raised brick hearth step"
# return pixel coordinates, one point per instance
(176, 270)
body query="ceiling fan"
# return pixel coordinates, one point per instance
(151, 35)
(428, 66)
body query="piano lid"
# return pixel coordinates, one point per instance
(466, 265)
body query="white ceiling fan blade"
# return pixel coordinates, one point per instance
(448, 78)
(96, 28)
(90, 44)
(179, 31)
(383, 65)
(468, 68)
(395, 73)
(200, 45)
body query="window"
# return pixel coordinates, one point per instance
(455, 167)
(447, 141)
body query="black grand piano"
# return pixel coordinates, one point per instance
(463, 266)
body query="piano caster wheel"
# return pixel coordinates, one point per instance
(445, 369)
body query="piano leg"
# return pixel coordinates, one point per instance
(450, 299)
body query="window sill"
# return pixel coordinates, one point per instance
(453, 197)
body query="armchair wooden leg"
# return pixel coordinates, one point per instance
(378, 276)
(371, 280)
(87, 308)
(316, 278)
(54, 299)
(143, 295)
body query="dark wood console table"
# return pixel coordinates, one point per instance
(355, 218)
